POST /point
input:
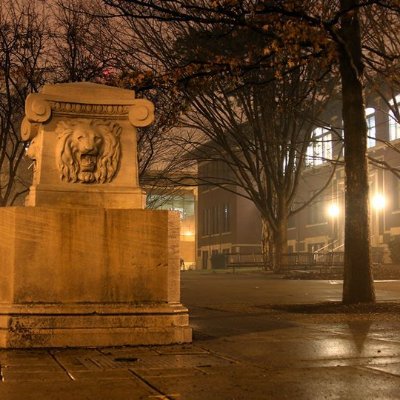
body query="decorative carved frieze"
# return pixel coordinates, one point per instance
(106, 110)
(88, 150)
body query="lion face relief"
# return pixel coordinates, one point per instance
(88, 151)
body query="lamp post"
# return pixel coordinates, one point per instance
(333, 212)
(378, 203)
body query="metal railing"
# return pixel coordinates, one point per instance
(239, 258)
(313, 260)
(299, 260)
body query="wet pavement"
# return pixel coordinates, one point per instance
(243, 348)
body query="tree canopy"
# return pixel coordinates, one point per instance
(294, 33)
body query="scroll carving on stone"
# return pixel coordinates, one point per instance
(88, 150)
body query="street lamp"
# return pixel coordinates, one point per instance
(187, 233)
(378, 202)
(333, 210)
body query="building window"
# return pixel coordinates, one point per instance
(215, 220)
(396, 193)
(301, 246)
(313, 247)
(394, 125)
(184, 203)
(204, 260)
(204, 223)
(320, 149)
(316, 213)
(370, 116)
(226, 217)
(207, 222)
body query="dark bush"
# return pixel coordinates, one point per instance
(218, 260)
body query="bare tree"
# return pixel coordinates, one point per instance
(139, 46)
(260, 126)
(82, 45)
(22, 42)
(66, 42)
(381, 51)
(261, 130)
(302, 31)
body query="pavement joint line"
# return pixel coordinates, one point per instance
(54, 357)
(149, 384)
(192, 352)
(376, 370)
(203, 371)
(96, 363)
(385, 339)
(223, 357)
(102, 351)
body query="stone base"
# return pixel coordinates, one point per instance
(90, 277)
(37, 326)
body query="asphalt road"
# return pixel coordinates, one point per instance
(207, 288)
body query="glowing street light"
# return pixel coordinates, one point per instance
(378, 202)
(333, 210)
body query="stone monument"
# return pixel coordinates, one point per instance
(83, 263)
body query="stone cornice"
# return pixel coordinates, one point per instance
(112, 103)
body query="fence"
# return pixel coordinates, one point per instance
(223, 260)
(290, 260)
(313, 260)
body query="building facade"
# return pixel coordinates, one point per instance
(228, 223)
(182, 200)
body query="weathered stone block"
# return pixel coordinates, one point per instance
(90, 277)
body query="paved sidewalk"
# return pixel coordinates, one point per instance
(244, 348)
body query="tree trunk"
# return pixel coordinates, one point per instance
(274, 238)
(266, 243)
(358, 283)
(280, 245)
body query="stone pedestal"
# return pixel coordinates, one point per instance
(84, 264)
(90, 277)
(83, 143)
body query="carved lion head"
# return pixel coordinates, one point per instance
(88, 151)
